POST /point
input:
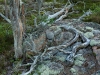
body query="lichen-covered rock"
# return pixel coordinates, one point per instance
(74, 70)
(50, 68)
(35, 74)
(61, 58)
(94, 42)
(89, 34)
(79, 60)
(89, 29)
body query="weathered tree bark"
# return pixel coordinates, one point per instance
(6, 9)
(17, 27)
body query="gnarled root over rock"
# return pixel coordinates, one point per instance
(63, 37)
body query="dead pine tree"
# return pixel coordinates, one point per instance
(17, 26)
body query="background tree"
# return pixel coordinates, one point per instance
(16, 10)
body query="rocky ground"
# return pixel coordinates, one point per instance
(90, 55)
(86, 60)
(56, 60)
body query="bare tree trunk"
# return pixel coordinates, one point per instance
(6, 9)
(17, 27)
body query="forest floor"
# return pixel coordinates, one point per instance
(88, 63)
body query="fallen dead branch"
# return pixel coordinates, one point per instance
(83, 45)
(66, 52)
(8, 20)
(89, 12)
(27, 64)
(75, 48)
(62, 16)
(33, 65)
(66, 44)
(64, 10)
(43, 54)
(55, 47)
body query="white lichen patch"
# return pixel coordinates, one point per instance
(94, 42)
(89, 34)
(74, 71)
(89, 28)
(50, 68)
(79, 60)
(61, 58)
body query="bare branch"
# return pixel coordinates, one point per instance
(32, 66)
(85, 14)
(75, 49)
(60, 12)
(8, 20)
(64, 51)
(61, 17)
(27, 64)
(43, 54)
(35, 22)
(55, 47)
(73, 30)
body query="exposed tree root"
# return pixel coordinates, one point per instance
(75, 48)
(61, 47)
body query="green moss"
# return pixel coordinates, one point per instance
(94, 6)
(1, 1)
(6, 37)
(95, 17)
(94, 54)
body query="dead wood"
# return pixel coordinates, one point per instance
(74, 31)
(8, 20)
(85, 43)
(33, 65)
(63, 10)
(87, 13)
